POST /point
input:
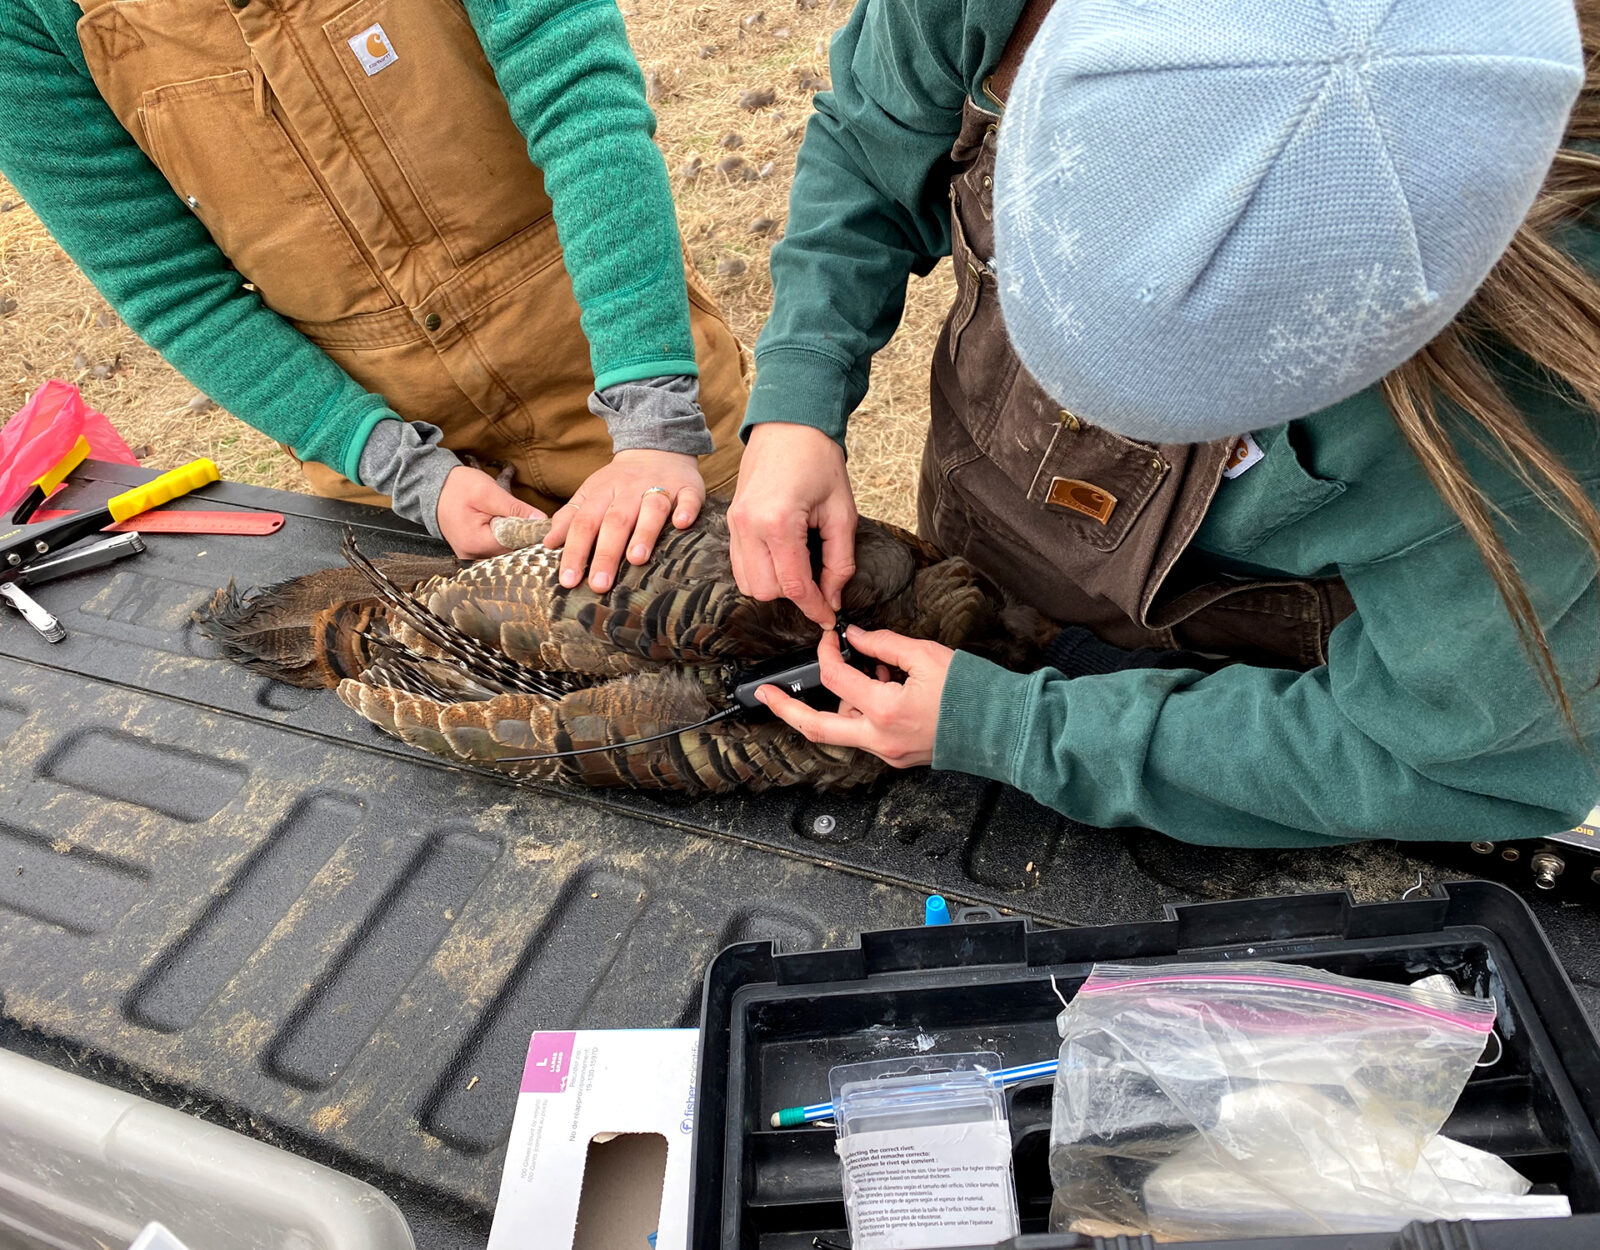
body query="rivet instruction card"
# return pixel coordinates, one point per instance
(929, 1186)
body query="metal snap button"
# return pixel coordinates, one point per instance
(240, 4)
(1070, 422)
(431, 322)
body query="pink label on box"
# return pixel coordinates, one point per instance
(549, 1061)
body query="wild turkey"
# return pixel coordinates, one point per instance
(493, 661)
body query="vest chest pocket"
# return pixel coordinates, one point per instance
(1095, 482)
(235, 167)
(431, 97)
(1069, 475)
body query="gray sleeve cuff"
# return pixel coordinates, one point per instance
(655, 414)
(403, 459)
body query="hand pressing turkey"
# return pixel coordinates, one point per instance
(793, 480)
(894, 720)
(623, 507)
(469, 500)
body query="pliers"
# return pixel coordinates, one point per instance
(31, 554)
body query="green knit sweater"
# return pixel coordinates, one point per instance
(588, 129)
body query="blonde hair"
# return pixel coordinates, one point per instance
(1543, 304)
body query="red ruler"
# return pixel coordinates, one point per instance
(159, 522)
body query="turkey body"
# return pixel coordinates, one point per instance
(494, 661)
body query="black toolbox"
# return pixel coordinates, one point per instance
(773, 1024)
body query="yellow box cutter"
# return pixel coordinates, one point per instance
(24, 544)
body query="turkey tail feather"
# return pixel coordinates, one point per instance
(308, 631)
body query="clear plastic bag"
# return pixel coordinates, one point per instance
(1249, 1099)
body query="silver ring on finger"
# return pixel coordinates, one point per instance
(659, 490)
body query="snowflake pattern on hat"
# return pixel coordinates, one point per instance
(1333, 333)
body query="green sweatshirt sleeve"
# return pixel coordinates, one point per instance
(1427, 722)
(577, 95)
(116, 216)
(869, 202)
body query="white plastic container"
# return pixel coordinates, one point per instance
(84, 1167)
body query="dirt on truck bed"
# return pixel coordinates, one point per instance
(239, 898)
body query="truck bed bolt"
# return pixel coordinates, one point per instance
(1546, 868)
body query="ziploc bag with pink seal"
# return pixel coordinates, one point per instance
(1259, 1099)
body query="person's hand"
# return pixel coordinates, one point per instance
(793, 480)
(470, 500)
(620, 507)
(894, 720)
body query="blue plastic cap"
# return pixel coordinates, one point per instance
(936, 911)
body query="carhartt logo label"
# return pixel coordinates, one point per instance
(1246, 454)
(373, 50)
(1082, 497)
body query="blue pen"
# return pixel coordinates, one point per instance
(791, 1116)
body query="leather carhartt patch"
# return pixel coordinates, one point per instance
(1082, 497)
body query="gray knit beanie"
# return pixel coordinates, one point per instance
(1213, 216)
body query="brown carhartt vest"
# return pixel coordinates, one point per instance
(393, 217)
(1087, 526)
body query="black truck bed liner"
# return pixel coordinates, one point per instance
(243, 899)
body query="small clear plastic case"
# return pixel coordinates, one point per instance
(925, 1149)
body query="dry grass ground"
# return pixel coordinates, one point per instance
(698, 60)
